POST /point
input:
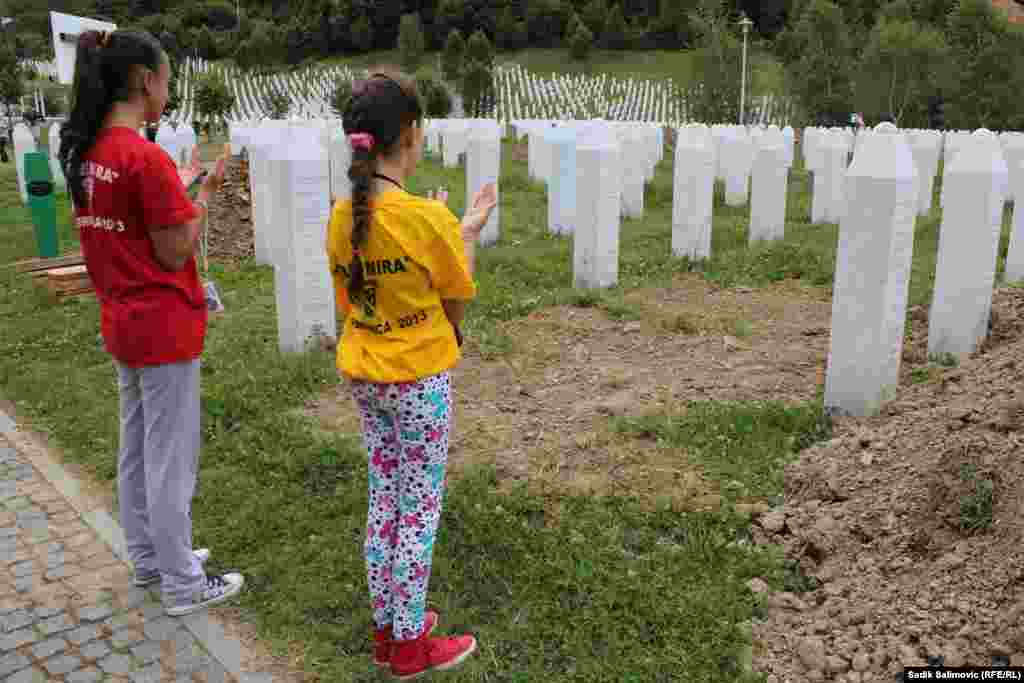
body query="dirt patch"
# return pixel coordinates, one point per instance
(541, 414)
(231, 236)
(912, 525)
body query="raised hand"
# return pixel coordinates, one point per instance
(479, 211)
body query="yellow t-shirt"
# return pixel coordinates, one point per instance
(414, 258)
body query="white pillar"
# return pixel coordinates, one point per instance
(968, 246)
(596, 239)
(876, 241)
(483, 165)
(303, 285)
(562, 188)
(693, 195)
(769, 182)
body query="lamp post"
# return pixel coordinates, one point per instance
(745, 24)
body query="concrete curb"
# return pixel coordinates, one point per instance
(210, 636)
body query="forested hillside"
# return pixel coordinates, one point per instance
(917, 62)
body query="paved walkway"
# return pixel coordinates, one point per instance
(68, 610)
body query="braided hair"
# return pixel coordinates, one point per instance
(380, 108)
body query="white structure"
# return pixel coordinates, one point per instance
(303, 285)
(339, 152)
(693, 194)
(769, 184)
(876, 242)
(483, 166)
(737, 158)
(968, 246)
(562, 188)
(24, 143)
(596, 236)
(58, 173)
(65, 29)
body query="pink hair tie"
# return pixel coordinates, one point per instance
(361, 141)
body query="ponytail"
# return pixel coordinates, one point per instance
(104, 63)
(375, 115)
(360, 173)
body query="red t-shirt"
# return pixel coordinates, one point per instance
(148, 315)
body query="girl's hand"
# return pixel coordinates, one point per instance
(213, 181)
(195, 167)
(479, 211)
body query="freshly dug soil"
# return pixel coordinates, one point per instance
(909, 526)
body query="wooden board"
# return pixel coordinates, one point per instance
(67, 273)
(43, 264)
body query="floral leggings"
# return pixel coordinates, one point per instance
(405, 429)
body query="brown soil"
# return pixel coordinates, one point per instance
(231, 237)
(879, 515)
(540, 413)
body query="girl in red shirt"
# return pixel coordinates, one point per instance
(139, 230)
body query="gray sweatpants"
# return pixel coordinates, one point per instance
(156, 472)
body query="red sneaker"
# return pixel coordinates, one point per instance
(382, 639)
(412, 658)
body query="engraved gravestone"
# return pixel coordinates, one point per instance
(23, 144)
(596, 237)
(562, 189)
(876, 241)
(483, 165)
(968, 246)
(769, 181)
(693, 194)
(59, 181)
(303, 285)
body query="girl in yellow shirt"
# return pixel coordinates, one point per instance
(403, 269)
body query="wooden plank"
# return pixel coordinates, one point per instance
(67, 273)
(30, 265)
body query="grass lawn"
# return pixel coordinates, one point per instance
(568, 589)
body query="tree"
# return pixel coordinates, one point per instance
(504, 30)
(477, 89)
(717, 64)
(437, 101)
(411, 43)
(595, 15)
(821, 63)
(340, 96)
(580, 42)
(614, 36)
(545, 22)
(900, 64)
(983, 89)
(479, 49)
(213, 99)
(276, 104)
(362, 34)
(12, 83)
(453, 57)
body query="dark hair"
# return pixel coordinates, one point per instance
(383, 105)
(104, 64)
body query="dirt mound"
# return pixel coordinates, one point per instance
(231, 238)
(908, 526)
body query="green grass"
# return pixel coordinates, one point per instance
(567, 589)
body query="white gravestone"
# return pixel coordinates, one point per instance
(837, 160)
(302, 280)
(596, 237)
(55, 169)
(925, 147)
(1015, 255)
(340, 156)
(186, 141)
(876, 241)
(562, 189)
(693, 196)
(737, 155)
(260, 191)
(968, 246)
(23, 144)
(168, 140)
(769, 181)
(483, 165)
(633, 159)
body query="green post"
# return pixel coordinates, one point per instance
(41, 202)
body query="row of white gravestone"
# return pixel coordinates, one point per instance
(875, 251)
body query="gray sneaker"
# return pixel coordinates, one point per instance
(217, 589)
